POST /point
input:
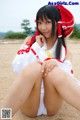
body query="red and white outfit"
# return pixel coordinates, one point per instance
(35, 54)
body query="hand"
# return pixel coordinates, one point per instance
(40, 40)
(47, 66)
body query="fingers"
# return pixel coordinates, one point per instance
(40, 40)
(40, 62)
(48, 66)
(43, 67)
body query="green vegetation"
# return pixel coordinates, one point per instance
(21, 35)
(76, 33)
(15, 36)
(25, 25)
(28, 31)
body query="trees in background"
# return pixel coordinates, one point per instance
(28, 31)
(25, 25)
(15, 35)
(76, 32)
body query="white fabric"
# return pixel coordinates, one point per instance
(21, 60)
(52, 51)
(42, 109)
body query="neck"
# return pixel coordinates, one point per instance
(50, 42)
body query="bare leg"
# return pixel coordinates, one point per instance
(52, 99)
(31, 105)
(22, 87)
(64, 87)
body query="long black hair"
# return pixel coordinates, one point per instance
(51, 12)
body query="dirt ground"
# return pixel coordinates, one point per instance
(8, 51)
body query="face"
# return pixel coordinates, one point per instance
(45, 27)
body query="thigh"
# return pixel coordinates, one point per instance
(52, 99)
(31, 105)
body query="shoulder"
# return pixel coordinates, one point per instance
(27, 39)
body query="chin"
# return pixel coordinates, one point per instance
(47, 37)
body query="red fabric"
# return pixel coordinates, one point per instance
(66, 23)
(29, 44)
(33, 38)
(22, 51)
(53, 59)
(33, 51)
(71, 71)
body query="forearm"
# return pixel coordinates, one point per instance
(23, 58)
(68, 62)
(68, 56)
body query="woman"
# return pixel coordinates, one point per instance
(45, 76)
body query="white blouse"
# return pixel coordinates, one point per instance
(36, 54)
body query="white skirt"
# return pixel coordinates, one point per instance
(42, 109)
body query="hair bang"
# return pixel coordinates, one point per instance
(43, 15)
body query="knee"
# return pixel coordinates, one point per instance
(57, 76)
(29, 114)
(33, 70)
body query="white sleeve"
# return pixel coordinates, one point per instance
(40, 52)
(21, 60)
(23, 47)
(67, 66)
(68, 63)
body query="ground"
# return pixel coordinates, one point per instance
(8, 49)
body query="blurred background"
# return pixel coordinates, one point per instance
(17, 16)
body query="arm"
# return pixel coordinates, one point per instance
(68, 61)
(68, 55)
(23, 58)
(24, 45)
